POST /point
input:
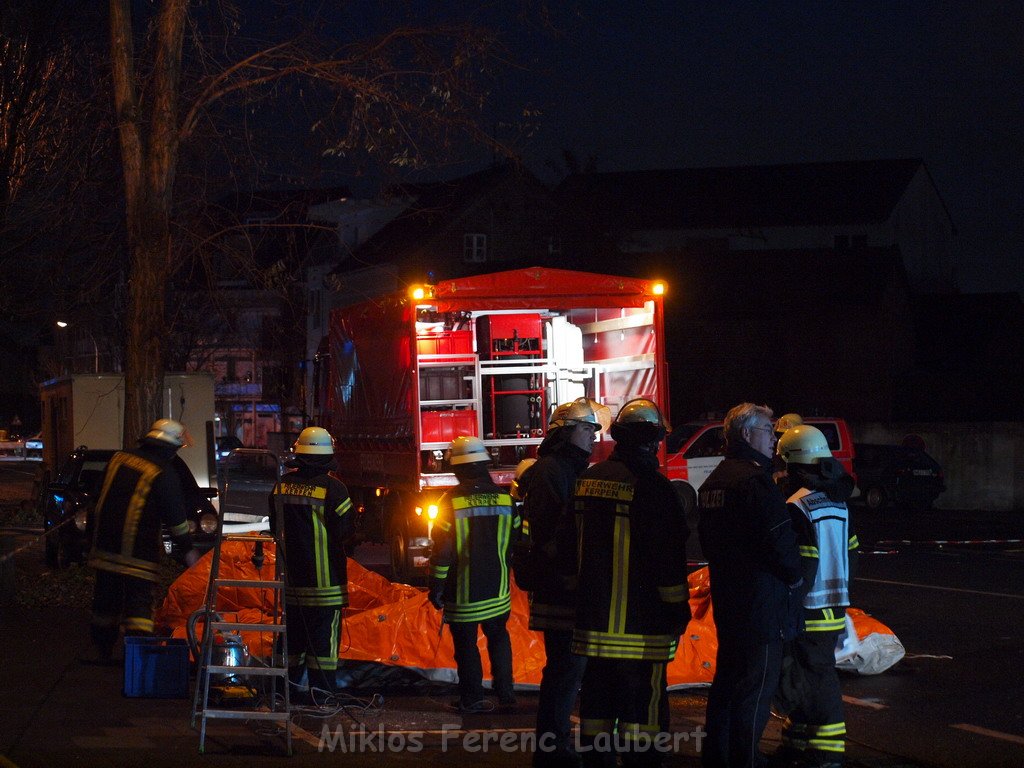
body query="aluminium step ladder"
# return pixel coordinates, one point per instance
(276, 672)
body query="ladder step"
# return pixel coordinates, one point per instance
(270, 584)
(247, 671)
(245, 714)
(246, 537)
(243, 626)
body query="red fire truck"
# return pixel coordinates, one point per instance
(401, 375)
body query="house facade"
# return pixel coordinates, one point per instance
(825, 207)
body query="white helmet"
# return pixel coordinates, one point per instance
(803, 445)
(171, 432)
(316, 441)
(521, 468)
(584, 410)
(468, 450)
(788, 421)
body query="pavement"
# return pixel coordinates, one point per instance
(59, 710)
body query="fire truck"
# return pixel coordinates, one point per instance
(398, 377)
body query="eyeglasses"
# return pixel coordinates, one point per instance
(764, 429)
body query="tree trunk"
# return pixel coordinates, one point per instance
(149, 161)
(145, 351)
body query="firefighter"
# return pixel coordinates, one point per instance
(547, 490)
(809, 691)
(469, 574)
(312, 509)
(141, 492)
(756, 586)
(632, 593)
(783, 423)
(787, 421)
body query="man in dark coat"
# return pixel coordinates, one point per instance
(756, 579)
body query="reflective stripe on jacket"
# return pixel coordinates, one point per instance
(632, 599)
(138, 496)
(473, 534)
(317, 520)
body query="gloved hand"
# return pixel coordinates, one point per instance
(435, 593)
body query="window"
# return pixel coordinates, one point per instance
(711, 443)
(474, 247)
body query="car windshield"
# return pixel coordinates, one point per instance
(91, 477)
(681, 435)
(831, 433)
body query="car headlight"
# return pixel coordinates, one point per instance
(81, 519)
(208, 523)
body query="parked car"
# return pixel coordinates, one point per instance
(696, 448)
(897, 475)
(225, 445)
(247, 477)
(34, 448)
(68, 505)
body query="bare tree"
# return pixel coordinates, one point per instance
(50, 147)
(398, 91)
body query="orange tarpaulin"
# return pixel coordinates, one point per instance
(393, 624)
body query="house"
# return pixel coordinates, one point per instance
(807, 330)
(499, 218)
(968, 360)
(828, 207)
(248, 331)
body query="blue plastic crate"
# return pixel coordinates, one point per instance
(155, 667)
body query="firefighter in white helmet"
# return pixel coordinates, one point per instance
(816, 491)
(469, 574)
(141, 492)
(312, 508)
(787, 421)
(545, 562)
(632, 594)
(783, 423)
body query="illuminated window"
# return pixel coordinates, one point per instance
(474, 247)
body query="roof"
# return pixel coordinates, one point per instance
(523, 287)
(760, 282)
(433, 208)
(803, 194)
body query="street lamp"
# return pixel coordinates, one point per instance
(95, 346)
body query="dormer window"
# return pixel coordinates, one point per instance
(474, 247)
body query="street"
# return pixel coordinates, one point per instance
(954, 700)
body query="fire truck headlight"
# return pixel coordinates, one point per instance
(81, 519)
(432, 511)
(208, 523)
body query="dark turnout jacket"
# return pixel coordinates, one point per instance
(633, 596)
(317, 520)
(547, 488)
(473, 535)
(747, 537)
(141, 493)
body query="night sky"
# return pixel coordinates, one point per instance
(679, 84)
